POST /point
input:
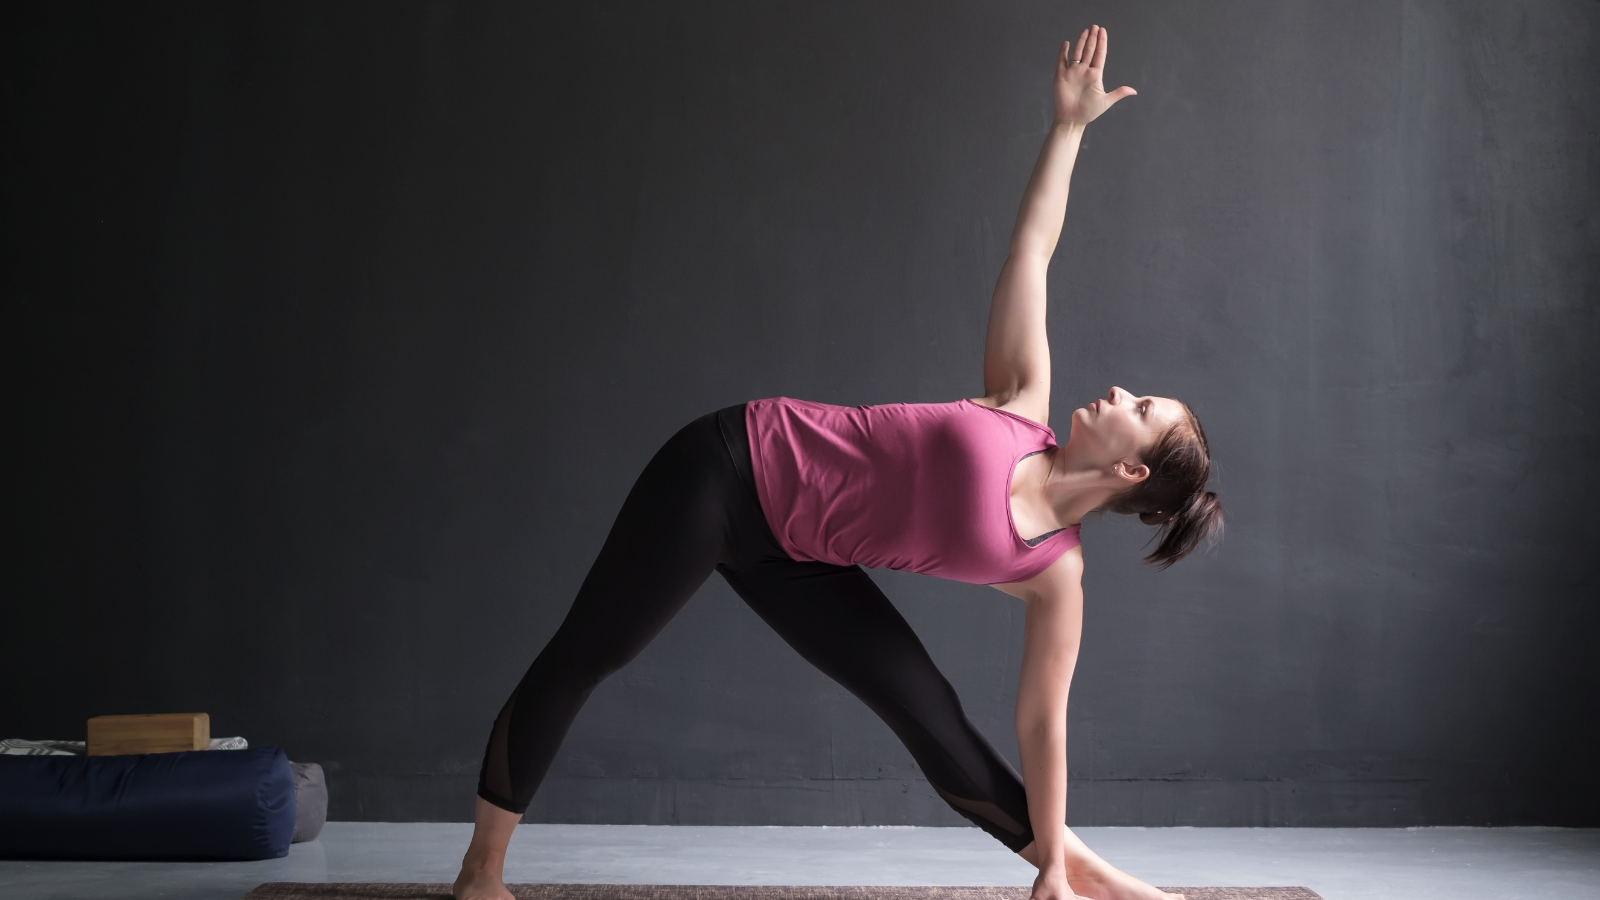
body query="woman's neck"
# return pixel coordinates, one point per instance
(1071, 492)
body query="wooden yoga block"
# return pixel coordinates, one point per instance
(163, 733)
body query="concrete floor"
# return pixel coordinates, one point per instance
(1339, 863)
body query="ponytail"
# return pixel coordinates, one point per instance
(1174, 497)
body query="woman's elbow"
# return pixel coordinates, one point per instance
(1040, 722)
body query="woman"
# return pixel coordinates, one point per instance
(788, 499)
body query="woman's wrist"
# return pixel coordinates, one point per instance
(1049, 854)
(1070, 129)
(1064, 851)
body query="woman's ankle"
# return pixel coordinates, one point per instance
(1087, 865)
(491, 837)
(479, 859)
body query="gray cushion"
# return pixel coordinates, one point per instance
(310, 800)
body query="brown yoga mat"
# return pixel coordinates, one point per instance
(290, 890)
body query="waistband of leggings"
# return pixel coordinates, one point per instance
(736, 438)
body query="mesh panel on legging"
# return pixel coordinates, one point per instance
(692, 510)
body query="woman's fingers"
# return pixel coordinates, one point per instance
(1080, 95)
(1090, 48)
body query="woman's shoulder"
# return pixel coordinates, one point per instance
(1015, 417)
(1064, 569)
(1032, 414)
(1063, 574)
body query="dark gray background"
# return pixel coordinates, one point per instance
(336, 334)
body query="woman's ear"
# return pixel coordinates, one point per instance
(1133, 473)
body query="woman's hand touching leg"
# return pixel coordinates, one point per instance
(483, 868)
(1052, 885)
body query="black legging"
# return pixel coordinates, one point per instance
(694, 509)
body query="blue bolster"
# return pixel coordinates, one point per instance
(198, 805)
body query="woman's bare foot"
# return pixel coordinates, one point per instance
(1094, 878)
(483, 867)
(1107, 883)
(480, 884)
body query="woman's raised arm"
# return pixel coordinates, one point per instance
(1016, 356)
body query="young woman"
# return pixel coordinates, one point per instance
(788, 499)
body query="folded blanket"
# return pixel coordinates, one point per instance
(20, 747)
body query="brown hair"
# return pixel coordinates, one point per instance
(1174, 497)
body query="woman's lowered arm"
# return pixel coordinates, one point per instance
(1051, 633)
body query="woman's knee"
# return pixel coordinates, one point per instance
(574, 667)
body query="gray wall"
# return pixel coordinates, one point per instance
(338, 333)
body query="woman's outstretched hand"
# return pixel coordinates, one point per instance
(1080, 94)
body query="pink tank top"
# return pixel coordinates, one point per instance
(921, 487)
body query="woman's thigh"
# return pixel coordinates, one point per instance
(670, 533)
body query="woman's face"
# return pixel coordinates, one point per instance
(1116, 427)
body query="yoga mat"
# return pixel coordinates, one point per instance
(290, 890)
